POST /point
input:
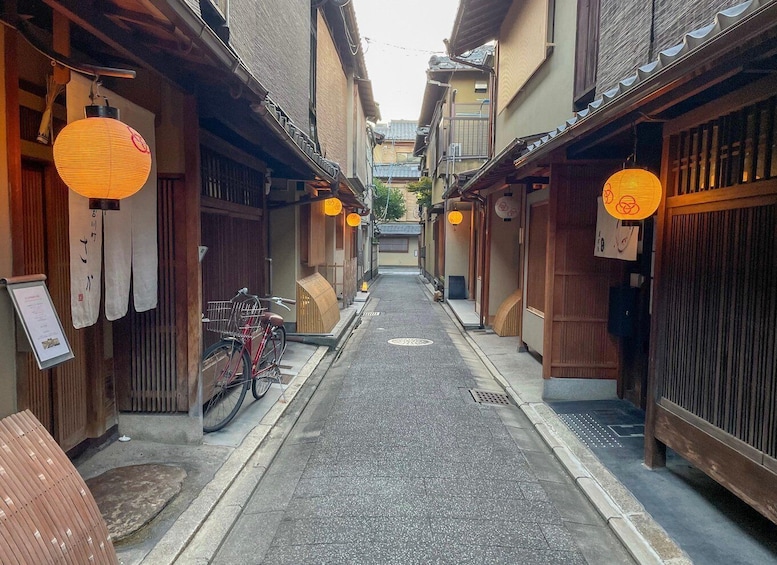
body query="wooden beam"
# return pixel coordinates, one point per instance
(751, 482)
(61, 40)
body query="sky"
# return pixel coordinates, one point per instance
(398, 38)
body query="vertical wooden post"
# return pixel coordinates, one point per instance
(655, 451)
(188, 279)
(14, 150)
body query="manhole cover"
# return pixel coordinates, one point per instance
(370, 314)
(410, 341)
(489, 397)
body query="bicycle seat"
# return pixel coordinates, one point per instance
(273, 319)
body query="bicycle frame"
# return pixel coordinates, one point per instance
(247, 331)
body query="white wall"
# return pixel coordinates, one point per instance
(284, 252)
(546, 99)
(505, 261)
(457, 249)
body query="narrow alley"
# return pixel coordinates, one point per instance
(393, 461)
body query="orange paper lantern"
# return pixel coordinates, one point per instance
(353, 219)
(332, 206)
(632, 194)
(455, 217)
(102, 158)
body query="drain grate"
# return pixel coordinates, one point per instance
(410, 341)
(490, 397)
(370, 314)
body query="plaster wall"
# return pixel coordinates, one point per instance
(284, 252)
(505, 262)
(457, 249)
(408, 259)
(545, 100)
(7, 323)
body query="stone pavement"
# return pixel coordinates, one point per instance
(393, 461)
(292, 439)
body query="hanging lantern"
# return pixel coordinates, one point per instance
(507, 207)
(102, 158)
(632, 194)
(455, 217)
(332, 206)
(353, 219)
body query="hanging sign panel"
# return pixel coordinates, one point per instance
(613, 239)
(39, 319)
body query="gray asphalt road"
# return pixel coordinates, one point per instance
(394, 462)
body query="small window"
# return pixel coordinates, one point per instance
(394, 244)
(481, 87)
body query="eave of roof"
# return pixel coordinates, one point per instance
(477, 22)
(495, 169)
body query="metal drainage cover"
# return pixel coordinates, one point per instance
(410, 341)
(369, 314)
(488, 397)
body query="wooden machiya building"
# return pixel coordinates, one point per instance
(703, 358)
(215, 136)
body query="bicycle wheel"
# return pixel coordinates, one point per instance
(268, 362)
(226, 370)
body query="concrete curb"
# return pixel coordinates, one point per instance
(221, 492)
(646, 541)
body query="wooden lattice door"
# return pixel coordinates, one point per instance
(59, 396)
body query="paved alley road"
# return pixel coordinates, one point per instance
(392, 461)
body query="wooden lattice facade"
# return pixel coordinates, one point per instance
(715, 320)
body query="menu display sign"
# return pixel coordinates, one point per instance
(40, 321)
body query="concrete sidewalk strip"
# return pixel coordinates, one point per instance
(230, 478)
(644, 538)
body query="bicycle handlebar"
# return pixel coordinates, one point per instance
(280, 301)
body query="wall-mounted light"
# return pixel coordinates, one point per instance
(102, 158)
(507, 207)
(353, 219)
(632, 194)
(332, 206)
(455, 217)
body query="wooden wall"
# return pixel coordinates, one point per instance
(577, 343)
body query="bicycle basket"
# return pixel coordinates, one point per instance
(236, 319)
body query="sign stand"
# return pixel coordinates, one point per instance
(39, 318)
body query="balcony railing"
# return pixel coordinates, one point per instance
(463, 138)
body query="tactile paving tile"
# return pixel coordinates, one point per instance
(589, 431)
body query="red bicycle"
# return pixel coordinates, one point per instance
(252, 343)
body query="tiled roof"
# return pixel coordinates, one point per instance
(400, 228)
(397, 130)
(477, 56)
(397, 171)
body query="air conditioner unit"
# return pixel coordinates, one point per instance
(454, 150)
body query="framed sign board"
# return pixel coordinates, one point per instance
(39, 319)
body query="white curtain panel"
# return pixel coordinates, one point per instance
(127, 237)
